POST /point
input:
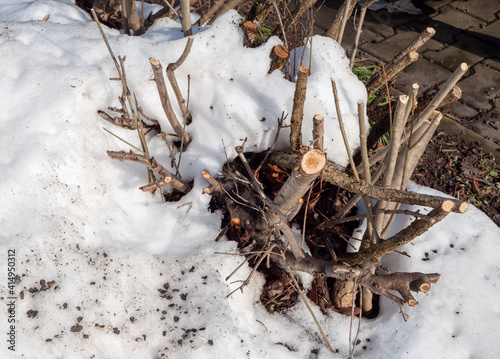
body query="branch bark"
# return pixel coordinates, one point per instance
(279, 58)
(391, 71)
(318, 132)
(176, 182)
(165, 102)
(340, 179)
(173, 81)
(299, 99)
(334, 30)
(300, 181)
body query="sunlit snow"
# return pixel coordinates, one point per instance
(137, 277)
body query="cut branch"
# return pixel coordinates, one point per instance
(416, 44)
(340, 179)
(300, 181)
(391, 71)
(176, 182)
(279, 58)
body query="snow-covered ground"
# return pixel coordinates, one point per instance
(129, 276)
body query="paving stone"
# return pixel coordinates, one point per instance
(367, 36)
(466, 49)
(423, 72)
(485, 83)
(484, 10)
(488, 125)
(436, 4)
(461, 110)
(448, 24)
(494, 63)
(389, 48)
(324, 16)
(378, 25)
(489, 34)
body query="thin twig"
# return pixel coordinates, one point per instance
(306, 302)
(349, 154)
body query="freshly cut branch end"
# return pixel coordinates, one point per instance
(279, 58)
(313, 162)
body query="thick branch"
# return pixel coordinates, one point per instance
(340, 179)
(300, 181)
(346, 8)
(403, 283)
(279, 58)
(416, 44)
(391, 71)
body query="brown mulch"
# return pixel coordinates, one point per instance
(462, 170)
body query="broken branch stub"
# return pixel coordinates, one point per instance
(300, 181)
(279, 58)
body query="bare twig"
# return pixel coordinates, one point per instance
(177, 183)
(173, 81)
(165, 102)
(318, 132)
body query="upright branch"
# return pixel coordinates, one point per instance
(390, 159)
(347, 14)
(213, 9)
(165, 102)
(358, 30)
(186, 17)
(173, 81)
(131, 20)
(345, 11)
(299, 99)
(293, 17)
(318, 132)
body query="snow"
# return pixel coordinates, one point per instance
(75, 217)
